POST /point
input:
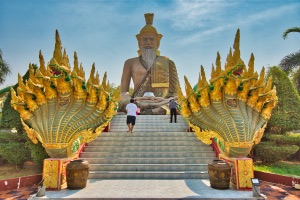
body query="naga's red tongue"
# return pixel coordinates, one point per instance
(238, 71)
(55, 72)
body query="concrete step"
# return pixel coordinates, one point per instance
(156, 150)
(148, 167)
(148, 134)
(148, 117)
(148, 175)
(143, 129)
(143, 143)
(146, 154)
(96, 148)
(146, 138)
(149, 123)
(143, 160)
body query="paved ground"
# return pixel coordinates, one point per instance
(136, 189)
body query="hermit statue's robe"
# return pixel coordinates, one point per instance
(161, 79)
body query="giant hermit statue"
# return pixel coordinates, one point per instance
(154, 76)
(59, 108)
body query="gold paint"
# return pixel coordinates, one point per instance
(203, 89)
(38, 92)
(252, 100)
(231, 87)
(51, 173)
(102, 103)
(259, 134)
(266, 112)
(61, 95)
(243, 95)
(18, 104)
(185, 111)
(63, 86)
(216, 94)
(240, 85)
(160, 84)
(245, 173)
(238, 144)
(55, 145)
(92, 87)
(30, 132)
(193, 103)
(205, 136)
(26, 94)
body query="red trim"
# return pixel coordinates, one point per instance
(25, 181)
(107, 128)
(275, 178)
(215, 147)
(81, 149)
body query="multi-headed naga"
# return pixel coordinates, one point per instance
(233, 107)
(59, 108)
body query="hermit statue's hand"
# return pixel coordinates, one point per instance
(152, 102)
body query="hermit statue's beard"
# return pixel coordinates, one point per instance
(148, 55)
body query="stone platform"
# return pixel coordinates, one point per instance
(149, 189)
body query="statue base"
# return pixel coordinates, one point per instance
(54, 173)
(241, 173)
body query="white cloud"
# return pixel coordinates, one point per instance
(194, 14)
(187, 18)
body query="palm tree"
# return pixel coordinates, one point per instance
(4, 69)
(291, 63)
(290, 30)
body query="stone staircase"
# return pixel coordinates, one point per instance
(156, 150)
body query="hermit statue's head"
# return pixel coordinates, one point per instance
(148, 38)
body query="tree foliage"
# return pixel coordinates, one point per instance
(286, 115)
(18, 145)
(4, 69)
(290, 62)
(290, 30)
(270, 152)
(296, 79)
(13, 148)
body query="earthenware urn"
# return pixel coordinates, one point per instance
(59, 108)
(233, 107)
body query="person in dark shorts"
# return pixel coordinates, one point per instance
(131, 110)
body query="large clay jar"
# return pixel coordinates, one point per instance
(219, 174)
(77, 174)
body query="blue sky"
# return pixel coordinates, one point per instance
(103, 32)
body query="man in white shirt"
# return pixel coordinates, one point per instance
(131, 110)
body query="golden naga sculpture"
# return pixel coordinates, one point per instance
(233, 107)
(58, 108)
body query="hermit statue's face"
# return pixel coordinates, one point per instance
(148, 41)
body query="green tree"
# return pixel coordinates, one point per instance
(18, 145)
(286, 115)
(4, 69)
(290, 30)
(291, 63)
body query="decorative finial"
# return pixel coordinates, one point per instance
(149, 18)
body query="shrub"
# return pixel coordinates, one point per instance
(38, 153)
(286, 115)
(13, 149)
(270, 152)
(288, 138)
(11, 119)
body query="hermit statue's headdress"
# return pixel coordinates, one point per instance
(148, 28)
